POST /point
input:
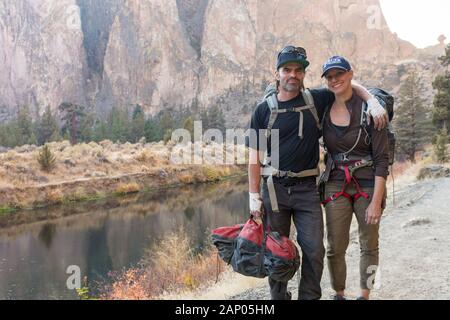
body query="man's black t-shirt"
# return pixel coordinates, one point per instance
(296, 154)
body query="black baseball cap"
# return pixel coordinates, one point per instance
(292, 54)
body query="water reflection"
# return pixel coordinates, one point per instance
(107, 236)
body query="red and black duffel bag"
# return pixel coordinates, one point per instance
(255, 252)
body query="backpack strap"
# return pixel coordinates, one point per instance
(272, 101)
(307, 96)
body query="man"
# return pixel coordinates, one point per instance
(289, 188)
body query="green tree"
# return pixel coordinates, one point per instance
(48, 129)
(72, 117)
(46, 159)
(440, 147)
(167, 124)
(3, 135)
(137, 124)
(100, 130)
(152, 130)
(189, 126)
(11, 134)
(215, 119)
(24, 126)
(204, 117)
(87, 127)
(412, 124)
(445, 59)
(167, 121)
(441, 111)
(118, 125)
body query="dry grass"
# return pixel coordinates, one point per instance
(128, 188)
(55, 196)
(83, 163)
(170, 267)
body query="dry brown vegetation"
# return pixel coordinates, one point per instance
(170, 267)
(92, 170)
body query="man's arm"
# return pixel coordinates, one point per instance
(254, 180)
(374, 108)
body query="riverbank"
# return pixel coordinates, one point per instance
(94, 171)
(107, 236)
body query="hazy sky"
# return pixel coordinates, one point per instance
(418, 21)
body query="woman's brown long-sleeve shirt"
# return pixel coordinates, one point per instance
(340, 141)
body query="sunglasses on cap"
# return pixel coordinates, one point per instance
(291, 49)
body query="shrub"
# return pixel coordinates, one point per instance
(46, 159)
(127, 188)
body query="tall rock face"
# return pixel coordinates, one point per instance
(42, 61)
(149, 59)
(192, 16)
(186, 53)
(228, 54)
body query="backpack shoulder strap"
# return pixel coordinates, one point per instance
(272, 101)
(307, 96)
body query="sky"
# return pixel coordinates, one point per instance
(418, 21)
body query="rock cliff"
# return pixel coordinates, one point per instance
(186, 53)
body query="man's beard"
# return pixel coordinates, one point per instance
(290, 87)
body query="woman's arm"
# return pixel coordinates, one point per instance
(375, 210)
(380, 155)
(362, 91)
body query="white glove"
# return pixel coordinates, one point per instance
(379, 114)
(374, 108)
(255, 204)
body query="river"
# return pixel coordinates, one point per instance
(106, 236)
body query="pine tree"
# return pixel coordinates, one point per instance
(46, 159)
(167, 121)
(48, 127)
(412, 124)
(11, 135)
(205, 119)
(72, 116)
(440, 147)
(152, 130)
(137, 124)
(100, 130)
(24, 125)
(189, 126)
(87, 127)
(214, 119)
(441, 111)
(3, 135)
(445, 59)
(118, 125)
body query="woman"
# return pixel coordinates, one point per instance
(357, 168)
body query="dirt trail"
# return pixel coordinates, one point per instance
(414, 249)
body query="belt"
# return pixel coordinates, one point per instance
(271, 172)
